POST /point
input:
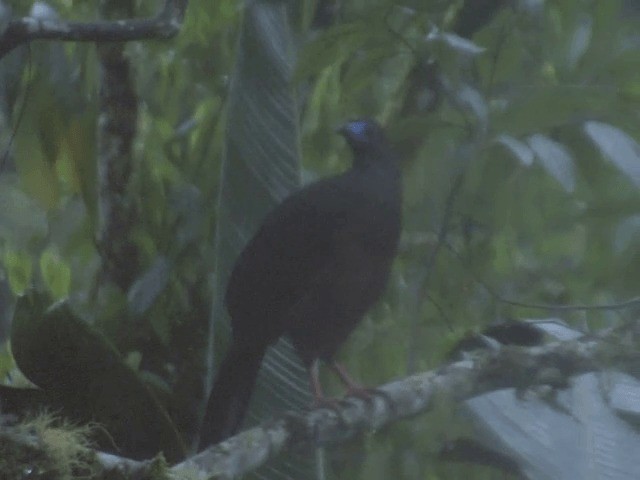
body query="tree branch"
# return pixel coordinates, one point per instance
(166, 24)
(483, 372)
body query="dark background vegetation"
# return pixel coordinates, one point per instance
(516, 122)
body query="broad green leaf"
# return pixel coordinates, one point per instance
(84, 373)
(261, 166)
(556, 447)
(18, 266)
(80, 152)
(56, 274)
(622, 150)
(581, 432)
(21, 218)
(6, 360)
(329, 48)
(535, 108)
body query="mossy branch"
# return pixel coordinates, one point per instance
(481, 372)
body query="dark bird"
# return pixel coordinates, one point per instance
(319, 261)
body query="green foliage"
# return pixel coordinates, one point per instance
(55, 273)
(532, 121)
(66, 446)
(83, 376)
(18, 268)
(520, 152)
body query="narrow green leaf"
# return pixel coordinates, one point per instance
(519, 149)
(580, 40)
(555, 159)
(472, 100)
(455, 42)
(627, 231)
(617, 146)
(148, 286)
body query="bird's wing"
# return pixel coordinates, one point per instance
(297, 243)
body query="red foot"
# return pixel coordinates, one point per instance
(325, 402)
(354, 389)
(360, 392)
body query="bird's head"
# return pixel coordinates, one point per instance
(363, 135)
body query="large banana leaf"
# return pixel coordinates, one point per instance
(261, 165)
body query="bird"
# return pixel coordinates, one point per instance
(315, 266)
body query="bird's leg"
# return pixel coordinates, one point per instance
(314, 380)
(319, 398)
(353, 387)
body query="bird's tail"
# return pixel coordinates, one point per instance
(230, 395)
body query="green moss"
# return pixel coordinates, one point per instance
(65, 448)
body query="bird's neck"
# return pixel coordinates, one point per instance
(378, 172)
(376, 160)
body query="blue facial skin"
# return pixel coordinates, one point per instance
(358, 129)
